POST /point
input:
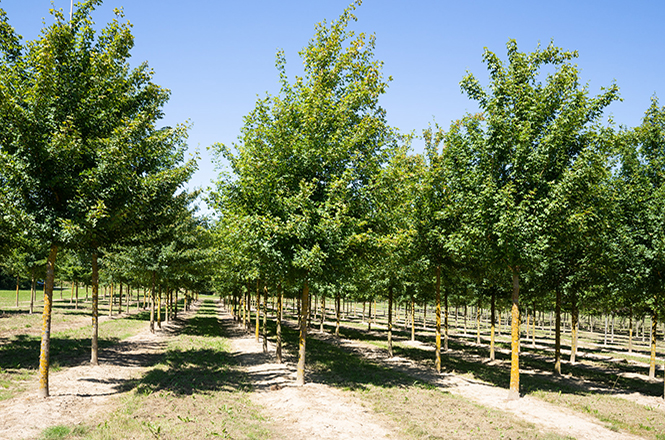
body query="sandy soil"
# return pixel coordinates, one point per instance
(84, 392)
(548, 417)
(313, 411)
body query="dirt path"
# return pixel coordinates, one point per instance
(310, 412)
(84, 392)
(545, 415)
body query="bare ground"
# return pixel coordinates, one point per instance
(313, 411)
(81, 393)
(548, 417)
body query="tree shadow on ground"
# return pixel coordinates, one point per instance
(198, 363)
(536, 365)
(22, 351)
(332, 365)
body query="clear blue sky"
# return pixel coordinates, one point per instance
(217, 56)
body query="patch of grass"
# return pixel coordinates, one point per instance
(194, 392)
(19, 354)
(419, 410)
(616, 413)
(56, 433)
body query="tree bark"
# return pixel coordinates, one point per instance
(258, 311)
(478, 311)
(445, 319)
(654, 332)
(390, 321)
(557, 334)
(111, 301)
(45, 347)
(94, 349)
(265, 319)
(323, 312)
(159, 307)
(300, 373)
(515, 338)
(413, 320)
(369, 317)
(152, 303)
(278, 350)
(630, 330)
(337, 313)
(438, 319)
(492, 315)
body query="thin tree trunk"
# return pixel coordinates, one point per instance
(369, 316)
(175, 305)
(258, 310)
(300, 373)
(413, 320)
(557, 334)
(159, 307)
(390, 321)
(492, 314)
(533, 329)
(71, 294)
(111, 301)
(445, 320)
(654, 333)
(323, 312)
(278, 350)
(152, 303)
(465, 313)
(515, 339)
(120, 300)
(265, 319)
(337, 313)
(606, 329)
(17, 287)
(612, 340)
(45, 347)
(94, 349)
(438, 319)
(77, 296)
(478, 311)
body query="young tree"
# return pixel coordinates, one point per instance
(640, 189)
(530, 134)
(70, 111)
(305, 155)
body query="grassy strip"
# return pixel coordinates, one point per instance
(421, 410)
(193, 392)
(615, 413)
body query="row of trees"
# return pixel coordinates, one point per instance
(85, 167)
(532, 199)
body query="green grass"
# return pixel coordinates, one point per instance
(615, 413)
(194, 391)
(19, 354)
(418, 410)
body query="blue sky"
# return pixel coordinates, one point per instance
(217, 56)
